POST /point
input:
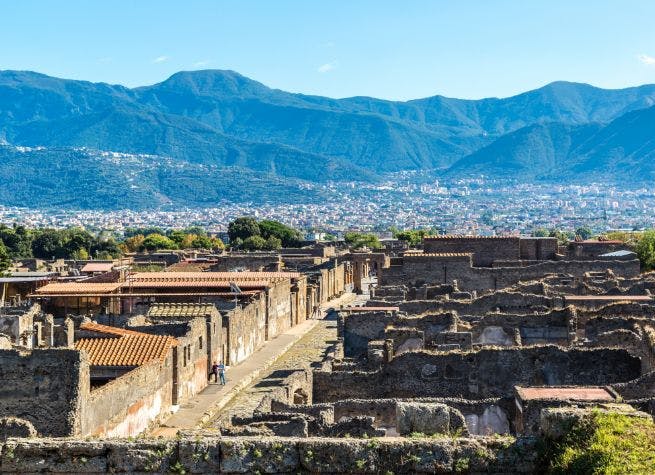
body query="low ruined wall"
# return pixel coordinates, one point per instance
(478, 374)
(417, 270)
(552, 327)
(360, 328)
(129, 404)
(253, 262)
(46, 387)
(273, 455)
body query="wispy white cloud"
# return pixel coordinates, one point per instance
(203, 63)
(327, 67)
(647, 59)
(160, 59)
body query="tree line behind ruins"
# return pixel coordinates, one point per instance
(245, 233)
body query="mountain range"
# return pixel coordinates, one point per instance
(205, 136)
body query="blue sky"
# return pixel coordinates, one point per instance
(389, 49)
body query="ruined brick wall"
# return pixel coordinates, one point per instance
(478, 374)
(485, 250)
(46, 387)
(129, 404)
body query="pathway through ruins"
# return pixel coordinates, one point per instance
(305, 343)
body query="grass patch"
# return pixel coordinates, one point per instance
(605, 443)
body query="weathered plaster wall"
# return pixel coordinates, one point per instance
(130, 403)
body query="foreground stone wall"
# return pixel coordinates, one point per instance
(45, 387)
(272, 455)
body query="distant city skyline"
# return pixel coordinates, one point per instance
(469, 49)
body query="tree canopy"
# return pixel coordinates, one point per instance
(359, 240)
(413, 237)
(251, 235)
(645, 249)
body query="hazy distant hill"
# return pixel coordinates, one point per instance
(221, 119)
(622, 151)
(77, 178)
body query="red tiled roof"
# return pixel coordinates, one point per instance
(78, 288)
(221, 284)
(97, 267)
(371, 309)
(579, 393)
(465, 236)
(121, 347)
(223, 276)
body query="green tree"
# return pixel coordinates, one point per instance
(253, 243)
(243, 228)
(413, 237)
(18, 241)
(106, 249)
(540, 232)
(156, 241)
(178, 237)
(584, 232)
(273, 243)
(202, 242)
(645, 249)
(359, 240)
(129, 232)
(75, 240)
(48, 244)
(288, 236)
(5, 260)
(563, 237)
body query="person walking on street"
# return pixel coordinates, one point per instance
(221, 373)
(214, 372)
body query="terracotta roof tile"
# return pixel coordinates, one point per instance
(78, 288)
(465, 236)
(121, 347)
(181, 309)
(97, 267)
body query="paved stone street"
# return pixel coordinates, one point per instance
(309, 350)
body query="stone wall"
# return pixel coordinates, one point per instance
(485, 250)
(45, 387)
(478, 374)
(211, 454)
(435, 269)
(278, 301)
(361, 327)
(246, 330)
(129, 404)
(253, 262)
